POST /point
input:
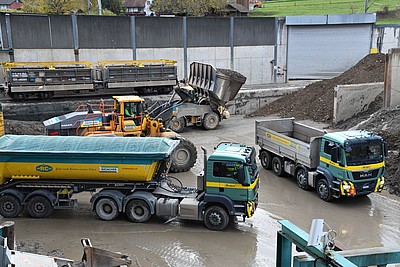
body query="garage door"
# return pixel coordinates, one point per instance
(325, 51)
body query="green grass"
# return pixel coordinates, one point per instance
(282, 8)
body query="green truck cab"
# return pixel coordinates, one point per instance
(232, 178)
(346, 163)
(352, 163)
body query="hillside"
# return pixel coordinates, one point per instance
(387, 10)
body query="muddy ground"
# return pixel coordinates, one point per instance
(315, 102)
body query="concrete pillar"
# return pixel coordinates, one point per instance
(391, 93)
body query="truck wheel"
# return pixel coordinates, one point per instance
(302, 178)
(10, 206)
(210, 121)
(183, 157)
(266, 159)
(277, 166)
(177, 124)
(216, 218)
(106, 209)
(138, 211)
(323, 190)
(40, 207)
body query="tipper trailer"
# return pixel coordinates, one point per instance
(126, 175)
(346, 163)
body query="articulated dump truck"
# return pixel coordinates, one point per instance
(125, 175)
(346, 163)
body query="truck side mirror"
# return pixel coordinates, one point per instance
(335, 154)
(241, 177)
(385, 149)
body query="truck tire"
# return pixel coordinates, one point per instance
(302, 178)
(323, 190)
(106, 209)
(177, 124)
(266, 159)
(40, 207)
(210, 121)
(277, 166)
(216, 218)
(138, 211)
(183, 157)
(10, 206)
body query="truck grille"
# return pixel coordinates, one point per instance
(365, 175)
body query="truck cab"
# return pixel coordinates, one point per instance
(231, 182)
(355, 159)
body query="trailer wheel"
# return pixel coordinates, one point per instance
(277, 166)
(40, 207)
(266, 159)
(183, 157)
(106, 209)
(10, 206)
(216, 218)
(138, 211)
(177, 124)
(323, 190)
(302, 178)
(210, 121)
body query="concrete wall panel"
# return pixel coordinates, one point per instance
(209, 32)
(352, 99)
(156, 32)
(392, 78)
(257, 67)
(254, 31)
(61, 32)
(104, 32)
(30, 31)
(39, 55)
(4, 40)
(94, 55)
(385, 37)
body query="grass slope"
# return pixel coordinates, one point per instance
(388, 11)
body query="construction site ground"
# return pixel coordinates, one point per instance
(253, 243)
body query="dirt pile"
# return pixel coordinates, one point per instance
(315, 102)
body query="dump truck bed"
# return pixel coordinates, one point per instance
(287, 138)
(82, 158)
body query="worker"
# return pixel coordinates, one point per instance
(128, 110)
(232, 169)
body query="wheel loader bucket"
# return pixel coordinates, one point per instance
(221, 85)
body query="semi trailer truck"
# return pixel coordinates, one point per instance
(124, 175)
(336, 164)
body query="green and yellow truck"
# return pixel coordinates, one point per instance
(125, 175)
(345, 163)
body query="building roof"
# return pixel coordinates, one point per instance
(15, 5)
(6, 2)
(133, 3)
(239, 8)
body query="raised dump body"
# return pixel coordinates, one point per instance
(82, 158)
(288, 138)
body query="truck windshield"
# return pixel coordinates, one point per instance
(364, 153)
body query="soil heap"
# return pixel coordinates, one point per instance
(315, 102)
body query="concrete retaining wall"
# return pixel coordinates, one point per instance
(353, 99)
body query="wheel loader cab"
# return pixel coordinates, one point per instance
(130, 109)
